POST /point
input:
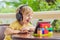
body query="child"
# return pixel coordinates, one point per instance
(23, 16)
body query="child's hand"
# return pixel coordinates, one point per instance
(31, 30)
(24, 30)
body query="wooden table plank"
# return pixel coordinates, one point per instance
(56, 36)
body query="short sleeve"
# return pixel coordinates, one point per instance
(15, 25)
(12, 26)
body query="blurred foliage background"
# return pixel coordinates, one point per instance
(7, 6)
(10, 6)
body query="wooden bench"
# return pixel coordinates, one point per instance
(40, 15)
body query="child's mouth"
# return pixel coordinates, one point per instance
(27, 20)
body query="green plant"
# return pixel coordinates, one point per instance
(37, 5)
(56, 25)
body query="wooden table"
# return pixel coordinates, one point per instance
(56, 36)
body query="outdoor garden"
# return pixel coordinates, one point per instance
(10, 6)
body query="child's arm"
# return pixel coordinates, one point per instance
(10, 31)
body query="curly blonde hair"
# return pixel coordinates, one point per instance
(24, 9)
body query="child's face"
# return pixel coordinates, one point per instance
(27, 17)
